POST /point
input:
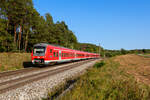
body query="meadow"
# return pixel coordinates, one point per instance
(13, 61)
(117, 78)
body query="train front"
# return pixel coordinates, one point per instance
(39, 54)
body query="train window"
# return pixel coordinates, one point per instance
(71, 55)
(39, 49)
(64, 54)
(54, 54)
(57, 54)
(67, 54)
(50, 50)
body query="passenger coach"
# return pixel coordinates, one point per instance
(43, 53)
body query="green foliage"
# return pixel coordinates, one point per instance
(140, 51)
(21, 26)
(123, 51)
(89, 47)
(112, 53)
(99, 64)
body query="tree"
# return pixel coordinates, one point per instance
(123, 51)
(21, 26)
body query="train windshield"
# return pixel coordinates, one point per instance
(39, 51)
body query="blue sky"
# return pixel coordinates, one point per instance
(114, 24)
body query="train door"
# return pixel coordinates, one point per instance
(75, 56)
(51, 54)
(59, 54)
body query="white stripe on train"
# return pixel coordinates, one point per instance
(64, 60)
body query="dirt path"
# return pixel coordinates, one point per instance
(137, 66)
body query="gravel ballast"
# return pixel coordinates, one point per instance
(39, 89)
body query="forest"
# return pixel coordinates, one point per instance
(21, 26)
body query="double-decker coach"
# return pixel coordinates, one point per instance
(45, 54)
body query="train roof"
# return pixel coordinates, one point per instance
(46, 44)
(41, 44)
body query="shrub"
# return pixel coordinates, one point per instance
(99, 64)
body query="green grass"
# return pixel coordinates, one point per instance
(108, 82)
(13, 61)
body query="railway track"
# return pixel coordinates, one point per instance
(6, 76)
(33, 74)
(9, 73)
(25, 70)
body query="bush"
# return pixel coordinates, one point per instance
(99, 64)
(109, 54)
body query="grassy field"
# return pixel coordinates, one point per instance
(136, 65)
(119, 78)
(13, 61)
(147, 55)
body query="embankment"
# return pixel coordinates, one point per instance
(13, 61)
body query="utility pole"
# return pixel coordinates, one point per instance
(99, 49)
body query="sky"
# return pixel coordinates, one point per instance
(115, 24)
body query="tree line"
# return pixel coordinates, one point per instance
(21, 26)
(112, 53)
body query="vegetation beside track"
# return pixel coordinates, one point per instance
(145, 55)
(13, 61)
(110, 80)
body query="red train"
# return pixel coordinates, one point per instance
(45, 54)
